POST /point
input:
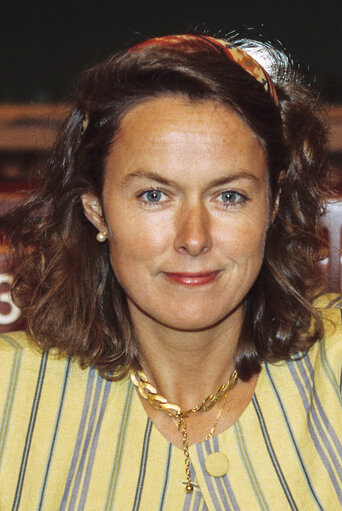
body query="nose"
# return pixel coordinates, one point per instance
(193, 230)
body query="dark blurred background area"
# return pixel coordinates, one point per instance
(45, 44)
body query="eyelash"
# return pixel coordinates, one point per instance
(241, 199)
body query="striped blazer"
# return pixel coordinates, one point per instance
(70, 440)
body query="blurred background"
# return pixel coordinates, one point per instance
(44, 45)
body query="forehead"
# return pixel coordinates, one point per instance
(172, 132)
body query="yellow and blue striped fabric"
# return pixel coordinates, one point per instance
(70, 440)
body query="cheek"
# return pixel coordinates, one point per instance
(245, 238)
(132, 239)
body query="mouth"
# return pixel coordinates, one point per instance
(193, 279)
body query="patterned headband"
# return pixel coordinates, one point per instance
(232, 52)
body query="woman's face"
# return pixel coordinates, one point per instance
(186, 210)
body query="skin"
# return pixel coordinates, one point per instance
(186, 211)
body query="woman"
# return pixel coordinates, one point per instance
(166, 268)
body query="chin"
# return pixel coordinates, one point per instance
(193, 322)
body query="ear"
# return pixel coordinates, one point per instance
(93, 211)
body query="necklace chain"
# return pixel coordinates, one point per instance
(213, 428)
(159, 402)
(182, 426)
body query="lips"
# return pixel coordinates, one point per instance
(193, 279)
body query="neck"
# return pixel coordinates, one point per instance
(186, 366)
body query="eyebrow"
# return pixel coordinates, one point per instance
(153, 176)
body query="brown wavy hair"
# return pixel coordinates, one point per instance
(63, 279)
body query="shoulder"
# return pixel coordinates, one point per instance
(24, 365)
(15, 348)
(320, 368)
(330, 308)
(328, 301)
(20, 347)
(13, 341)
(26, 368)
(326, 354)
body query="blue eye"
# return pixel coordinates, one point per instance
(152, 195)
(230, 197)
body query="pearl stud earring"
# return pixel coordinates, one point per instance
(101, 236)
